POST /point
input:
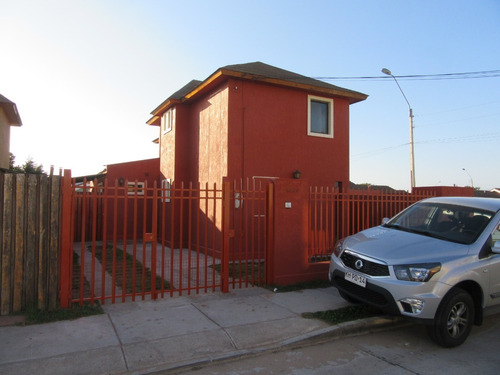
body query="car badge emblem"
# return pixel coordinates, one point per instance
(358, 264)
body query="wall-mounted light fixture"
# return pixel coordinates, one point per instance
(297, 174)
(237, 200)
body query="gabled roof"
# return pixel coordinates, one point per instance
(10, 111)
(256, 71)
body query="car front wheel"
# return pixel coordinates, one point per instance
(454, 319)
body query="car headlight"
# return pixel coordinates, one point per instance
(339, 246)
(417, 272)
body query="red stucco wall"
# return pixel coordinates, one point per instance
(176, 146)
(209, 141)
(268, 135)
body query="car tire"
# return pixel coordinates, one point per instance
(348, 298)
(454, 319)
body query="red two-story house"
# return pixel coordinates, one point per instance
(255, 120)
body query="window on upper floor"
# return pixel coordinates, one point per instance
(320, 117)
(168, 120)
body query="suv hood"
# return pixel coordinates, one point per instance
(394, 246)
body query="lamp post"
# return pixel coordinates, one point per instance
(471, 182)
(412, 149)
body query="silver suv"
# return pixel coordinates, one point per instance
(438, 262)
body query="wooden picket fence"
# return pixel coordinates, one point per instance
(29, 241)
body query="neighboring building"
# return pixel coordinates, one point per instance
(493, 193)
(127, 178)
(142, 171)
(9, 116)
(371, 187)
(252, 121)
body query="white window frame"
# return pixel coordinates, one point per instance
(329, 102)
(168, 120)
(165, 190)
(131, 188)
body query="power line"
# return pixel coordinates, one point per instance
(366, 154)
(486, 137)
(424, 77)
(454, 121)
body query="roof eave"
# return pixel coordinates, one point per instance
(12, 114)
(204, 84)
(353, 96)
(164, 106)
(155, 120)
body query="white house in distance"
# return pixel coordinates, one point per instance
(9, 116)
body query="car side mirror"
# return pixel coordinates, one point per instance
(385, 220)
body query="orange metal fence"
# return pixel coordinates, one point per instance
(132, 241)
(334, 215)
(127, 241)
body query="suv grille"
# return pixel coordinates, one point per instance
(369, 268)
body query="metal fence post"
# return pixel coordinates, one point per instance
(269, 234)
(226, 201)
(154, 240)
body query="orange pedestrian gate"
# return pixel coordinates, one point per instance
(127, 240)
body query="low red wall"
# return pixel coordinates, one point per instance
(446, 191)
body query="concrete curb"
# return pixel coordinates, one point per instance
(352, 328)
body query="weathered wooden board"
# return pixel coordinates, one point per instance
(29, 241)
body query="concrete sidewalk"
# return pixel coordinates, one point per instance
(148, 336)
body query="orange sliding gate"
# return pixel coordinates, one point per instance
(126, 240)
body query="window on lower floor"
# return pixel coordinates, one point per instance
(320, 117)
(135, 188)
(166, 190)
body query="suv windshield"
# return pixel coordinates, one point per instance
(447, 222)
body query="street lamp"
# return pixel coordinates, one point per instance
(412, 150)
(471, 182)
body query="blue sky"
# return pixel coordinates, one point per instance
(86, 74)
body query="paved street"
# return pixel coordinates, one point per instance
(403, 351)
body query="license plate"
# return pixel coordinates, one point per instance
(356, 279)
